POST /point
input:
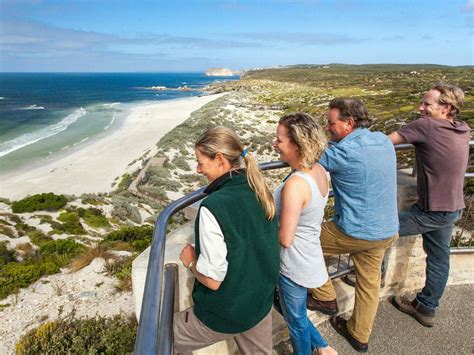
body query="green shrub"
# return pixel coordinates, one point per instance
(60, 248)
(52, 255)
(138, 237)
(125, 182)
(124, 210)
(39, 202)
(5, 230)
(92, 199)
(121, 268)
(93, 217)
(23, 228)
(181, 162)
(71, 223)
(6, 255)
(5, 200)
(38, 238)
(16, 275)
(4, 222)
(97, 335)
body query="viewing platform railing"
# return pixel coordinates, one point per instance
(155, 329)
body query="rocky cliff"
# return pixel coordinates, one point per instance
(221, 72)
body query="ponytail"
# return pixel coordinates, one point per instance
(259, 186)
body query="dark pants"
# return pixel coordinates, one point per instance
(436, 229)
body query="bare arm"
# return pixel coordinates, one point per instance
(396, 138)
(294, 196)
(188, 255)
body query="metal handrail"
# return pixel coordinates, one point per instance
(150, 329)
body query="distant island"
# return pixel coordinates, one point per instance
(222, 72)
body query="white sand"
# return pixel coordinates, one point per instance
(94, 167)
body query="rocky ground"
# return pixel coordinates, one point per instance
(87, 292)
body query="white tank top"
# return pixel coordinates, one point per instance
(303, 261)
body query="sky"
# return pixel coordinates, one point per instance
(192, 36)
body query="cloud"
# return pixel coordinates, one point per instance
(26, 36)
(31, 38)
(469, 7)
(307, 39)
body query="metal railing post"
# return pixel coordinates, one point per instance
(165, 331)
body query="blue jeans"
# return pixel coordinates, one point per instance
(304, 335)
(436, 228)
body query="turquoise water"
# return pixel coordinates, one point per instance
(43, 114)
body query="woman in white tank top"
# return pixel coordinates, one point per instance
(300, 202)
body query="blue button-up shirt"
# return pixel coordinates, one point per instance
(364, 179)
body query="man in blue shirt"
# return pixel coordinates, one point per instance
(362, 165)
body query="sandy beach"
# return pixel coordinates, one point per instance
(94, 167)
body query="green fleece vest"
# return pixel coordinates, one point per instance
(245, 296)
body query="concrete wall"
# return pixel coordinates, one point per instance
(405, 271)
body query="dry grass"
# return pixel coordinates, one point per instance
(24, 249)
(98, 251)
(121, 245)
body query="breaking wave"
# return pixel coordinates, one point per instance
(32, 107)
(33, 137)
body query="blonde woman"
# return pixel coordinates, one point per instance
(300, 202)
(236, 259)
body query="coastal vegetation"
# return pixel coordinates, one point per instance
(51, 256)
(136, 238)
(39, 202)
(71, 335)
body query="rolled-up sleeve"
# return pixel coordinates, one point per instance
(334, 159)
(212, 261)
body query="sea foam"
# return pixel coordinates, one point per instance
(33, 137)
(32, 107)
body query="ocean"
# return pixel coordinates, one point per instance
(44, 114)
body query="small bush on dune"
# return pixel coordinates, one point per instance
(71, 223)
(14, 275)
(39, 202)
(93, 217)
(6, 255)
(23, 228)
(51, 256)
(123, 210)
(5, 200)
(181, 162)
(97, 335)
(65, 247)
(92, 199)
(121, 268)
(6, 230)
(138, 237)
(38, 238)
(125, 181)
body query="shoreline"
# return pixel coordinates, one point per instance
(93, 167)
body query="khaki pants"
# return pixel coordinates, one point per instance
(191, 334)
(367, 257)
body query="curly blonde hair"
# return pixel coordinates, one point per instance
(307, 135)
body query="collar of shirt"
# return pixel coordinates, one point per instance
(351, 136)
